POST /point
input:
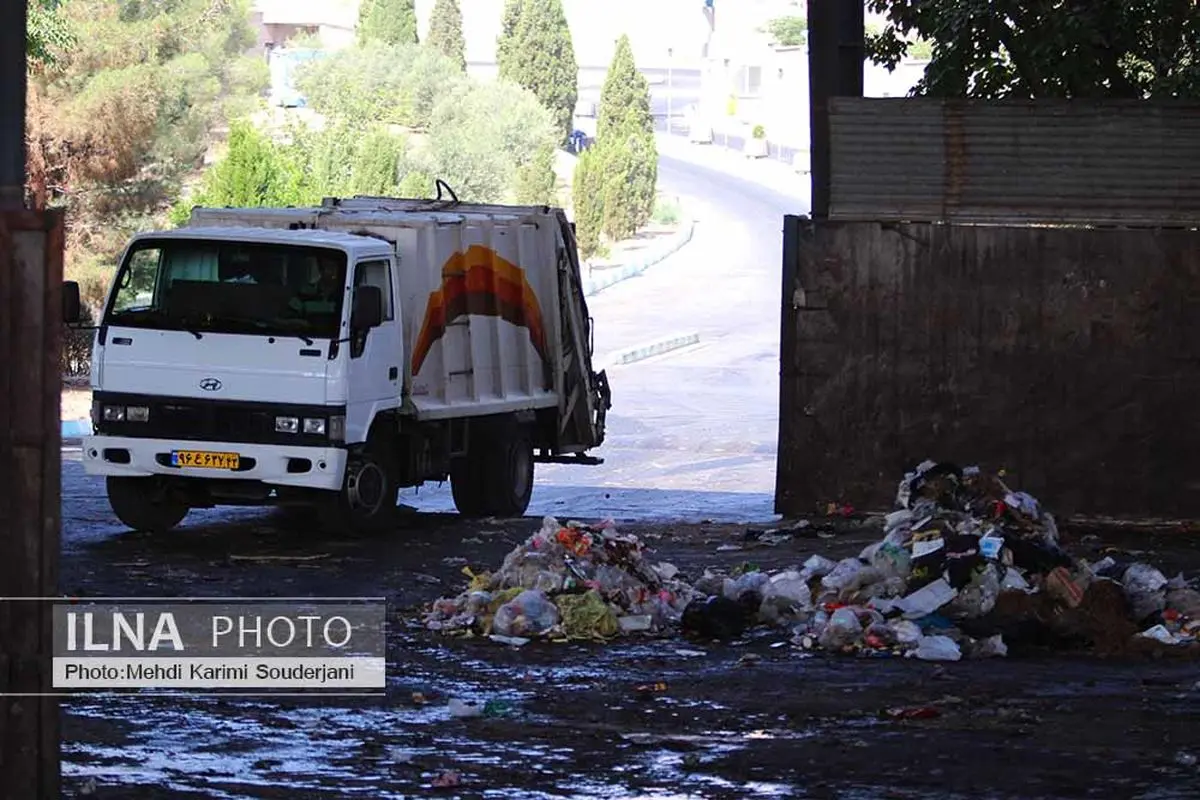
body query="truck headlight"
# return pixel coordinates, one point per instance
(137, 413)
(287, 424)
(337, 428)
(316, 426)
(114, 413)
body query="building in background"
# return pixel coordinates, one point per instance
(330, 23)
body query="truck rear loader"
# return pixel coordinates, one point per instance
(330, 356)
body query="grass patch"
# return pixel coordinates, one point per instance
(667, 211)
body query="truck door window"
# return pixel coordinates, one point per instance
(377, 273)
(137, 287)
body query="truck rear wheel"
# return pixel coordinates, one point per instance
(495, 479)
(467, 487)
(143, 504)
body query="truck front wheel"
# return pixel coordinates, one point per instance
(144, 504)
(368, 498)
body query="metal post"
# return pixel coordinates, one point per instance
(31, 248)
(12, 104)
(835, 69)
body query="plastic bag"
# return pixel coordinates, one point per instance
(843, 629)
(1145, 587)
(530, 614)
(586, 616)
(936, 648)
(789, 587)
(906, 631)
(928, 599)
(818, 567)
(991, 647)
(979, 596)
(744, 584)
(844, 575)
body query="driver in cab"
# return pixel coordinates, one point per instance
(321, 296)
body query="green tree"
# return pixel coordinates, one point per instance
(505, 42)
(587, 201)
(254, 172)
(48, 33)
(536, 179)
(625, 95)
(788, 31)
(625, 133)
(541, 58)
(1017, 48)
(486, 141)
(123, 101)
(397, 84)
(387, 21)
(446, 32)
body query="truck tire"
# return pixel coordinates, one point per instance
(367, 502)
(467, 486)
(508, 476)
(143, 505)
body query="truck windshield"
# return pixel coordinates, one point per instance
(230, 287)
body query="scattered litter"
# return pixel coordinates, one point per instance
(464, 708)
(645, 690)
(1185, 759)
(966, 568)
(571, 581)
(515, 641)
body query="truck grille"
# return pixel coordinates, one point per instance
(190, 419)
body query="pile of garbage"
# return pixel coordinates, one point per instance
(572, 581)
(964, 564)
(959, 564)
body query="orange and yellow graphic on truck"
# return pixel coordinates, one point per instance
(480, 282)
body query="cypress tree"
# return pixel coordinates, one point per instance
(625, 131)
(542, 59)
(446, 32)
(505, 42)
(387, 21)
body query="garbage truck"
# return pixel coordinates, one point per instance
(327, 357)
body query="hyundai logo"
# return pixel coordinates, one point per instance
(210, 385)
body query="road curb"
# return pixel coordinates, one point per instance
(593, 286)
(642, 352)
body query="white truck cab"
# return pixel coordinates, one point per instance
(271, 357)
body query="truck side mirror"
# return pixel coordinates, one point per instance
(367, 311)
(72, 308)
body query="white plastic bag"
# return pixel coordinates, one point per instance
(936, 648)
(1145, 587)
(528, 614)
(843, 629)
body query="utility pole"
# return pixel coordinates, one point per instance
(836, 30)
(31, 313)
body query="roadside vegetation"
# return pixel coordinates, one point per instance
(140, 110)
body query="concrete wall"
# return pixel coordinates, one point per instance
(1070, 357)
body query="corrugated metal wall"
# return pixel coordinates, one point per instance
(1103, 162)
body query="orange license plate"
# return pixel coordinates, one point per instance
(202, 459)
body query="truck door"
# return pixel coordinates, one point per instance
(376, 369)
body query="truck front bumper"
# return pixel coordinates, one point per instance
(276, 465)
